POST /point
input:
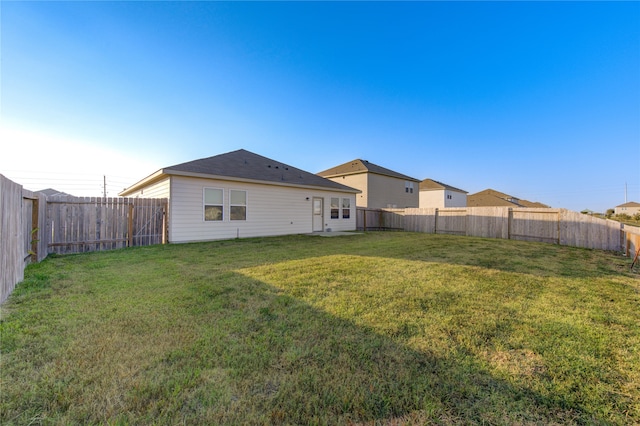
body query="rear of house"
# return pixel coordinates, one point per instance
(241, 194)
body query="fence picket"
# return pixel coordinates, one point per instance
(559, 226)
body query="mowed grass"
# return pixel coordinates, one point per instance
(378, 328)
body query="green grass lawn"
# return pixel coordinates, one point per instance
(378, 328)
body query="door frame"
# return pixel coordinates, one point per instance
(314, 215)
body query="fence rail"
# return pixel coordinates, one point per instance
(559, 226)
(32, 226)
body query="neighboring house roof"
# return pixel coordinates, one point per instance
(493, 198)
(629, 204)
(246, 166)
(362, 166)
(50, 192)
(434, 185)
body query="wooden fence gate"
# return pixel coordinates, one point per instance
(82, 224)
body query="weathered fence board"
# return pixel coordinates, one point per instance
(83, 224)
(558, 226)
(11, 237)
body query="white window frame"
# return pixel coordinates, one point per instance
(204, 204)
(343, 208)
(331, 208)
(408, 187)
(245, 205)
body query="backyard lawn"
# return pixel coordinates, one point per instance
(376, 328)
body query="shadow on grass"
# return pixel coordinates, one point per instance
(256, 353)
(262, 356)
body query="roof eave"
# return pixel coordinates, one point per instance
(168, 172)
(142, 183)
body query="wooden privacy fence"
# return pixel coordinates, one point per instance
(559, 226)
(21, 218)
(32, 226)
(81, 224)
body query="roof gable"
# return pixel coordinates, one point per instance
(630, 204)
(491, 198)
(432, 185)
(245, 165)
(362, 166)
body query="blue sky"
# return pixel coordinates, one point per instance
(540, 100)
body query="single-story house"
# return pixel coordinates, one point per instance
(434, 194)
(379, 186)
(631, 208)
(493, 198)
(242, 194)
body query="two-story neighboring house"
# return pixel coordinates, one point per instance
(439, 195)
(631, 208)
(381, 187)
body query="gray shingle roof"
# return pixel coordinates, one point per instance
(493, 198)
(362, 166)
(430, 184)
(243, 164)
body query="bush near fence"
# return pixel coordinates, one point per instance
(559, 226)
(33, 226)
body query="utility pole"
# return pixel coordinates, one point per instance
(104, 186)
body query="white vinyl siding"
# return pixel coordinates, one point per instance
(271, 210)
(160, 189)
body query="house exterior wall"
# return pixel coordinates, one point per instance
(442, 198)
(358, 181)
(630, 210)
(160, 189)
(455, 199)
(390, 192)
(271, 210)
(432, 199)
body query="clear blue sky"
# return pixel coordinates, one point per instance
(540, 100)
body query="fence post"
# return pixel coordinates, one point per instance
(435, 221)
(164, 225)
(509, 219)
(35, 231)
(364, 220)
(130, 226)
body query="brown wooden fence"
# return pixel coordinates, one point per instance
(76, 224)
(32, 226)
(559, 226)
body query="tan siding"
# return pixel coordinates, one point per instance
(385, 191)
(357, 181)
(271, 210)
(432, 199)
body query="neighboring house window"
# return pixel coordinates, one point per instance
(408, 187)
(237, 205)
(449, 197)
(213, 205)
(346, 208)
(335, 208)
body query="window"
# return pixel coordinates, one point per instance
(237, 205)
(346, 208)
(408, 187)
(335, 208)
(213, 205)
(449, 197)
